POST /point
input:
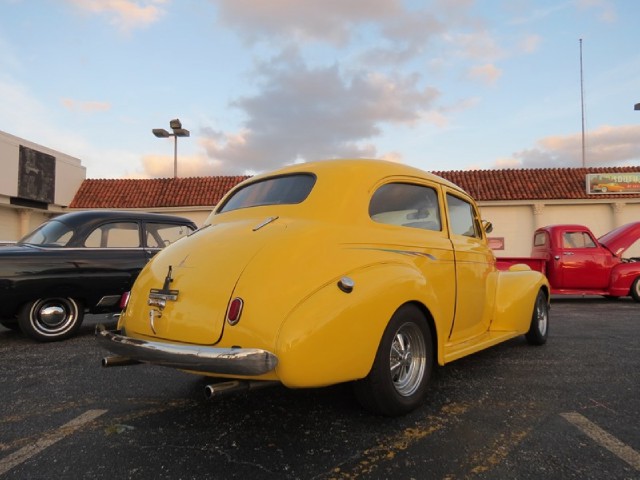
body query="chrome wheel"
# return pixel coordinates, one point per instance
(399, 376)
(407, 359)
(542, 315)
(49, 319)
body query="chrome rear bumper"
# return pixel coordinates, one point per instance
(224, 361)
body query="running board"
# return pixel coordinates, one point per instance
(458, 350)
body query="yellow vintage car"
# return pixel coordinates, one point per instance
(360, 271)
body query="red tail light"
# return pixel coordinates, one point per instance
(124, 300)
(234, 311)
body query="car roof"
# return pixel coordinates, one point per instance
(95, 216)
(366, 168)
(342, 190)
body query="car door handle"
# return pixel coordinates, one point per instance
(568, 253)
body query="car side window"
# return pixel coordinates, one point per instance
(159, 235)
(577, 240)
(407, 205)
(462, 218)
(114, 235)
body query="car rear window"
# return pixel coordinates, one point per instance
(287, 189)
(50, 234)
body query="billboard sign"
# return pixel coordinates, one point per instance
(611, 183)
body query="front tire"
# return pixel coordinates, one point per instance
(51, 319)
(635, 289)
(397, 382)
(539, 329)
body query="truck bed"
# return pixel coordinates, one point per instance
(538, 264)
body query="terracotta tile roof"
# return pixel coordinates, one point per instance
(532, 184)
(483, 185)
(155, 192)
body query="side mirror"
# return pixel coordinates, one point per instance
(488, 227)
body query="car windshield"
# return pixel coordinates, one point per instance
(51, 234)
(288, 189)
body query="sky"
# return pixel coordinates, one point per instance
(437, 84)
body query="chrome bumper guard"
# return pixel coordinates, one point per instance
(224, 361)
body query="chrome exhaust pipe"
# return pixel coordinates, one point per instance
(224, 388)
(118, 361)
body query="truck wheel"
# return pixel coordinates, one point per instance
(635, 289)
(397, 382)
(539, 329)
(50, 319)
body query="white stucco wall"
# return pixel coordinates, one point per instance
(516, 222)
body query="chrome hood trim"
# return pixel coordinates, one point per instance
(224, 361)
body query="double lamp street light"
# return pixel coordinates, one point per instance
(178, 131)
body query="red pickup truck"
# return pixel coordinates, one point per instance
(578, 263)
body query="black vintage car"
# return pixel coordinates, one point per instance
(78, 262)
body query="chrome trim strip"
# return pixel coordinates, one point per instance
(266, 222)
(224, 361)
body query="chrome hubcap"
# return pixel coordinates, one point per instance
(407, 360)
(52, 315)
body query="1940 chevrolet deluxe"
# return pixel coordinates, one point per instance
(335, 271)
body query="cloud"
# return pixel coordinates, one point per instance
(86, 106)
(126, 15)
(328, 21)
(162, 166)
(476, 45)
(604, 146)
(487, 74)
(529, 43)
(607, 11)
(308, 113)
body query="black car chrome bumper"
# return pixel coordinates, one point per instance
(224, 361)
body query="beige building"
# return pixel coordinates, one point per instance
(36, 183)
(39, 183)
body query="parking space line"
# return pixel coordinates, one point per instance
(25, 453)
(604, 439)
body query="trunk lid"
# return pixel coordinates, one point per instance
(205, 268)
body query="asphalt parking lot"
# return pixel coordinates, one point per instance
(569, 409)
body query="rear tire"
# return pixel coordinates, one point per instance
(51, 319)
(539, 329)
(398, 380)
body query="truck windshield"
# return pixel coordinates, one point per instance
(287, 189)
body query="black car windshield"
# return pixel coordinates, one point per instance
(287, 189)
(51, 234)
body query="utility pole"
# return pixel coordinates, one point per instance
(582, 105)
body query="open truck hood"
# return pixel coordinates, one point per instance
(620, 239)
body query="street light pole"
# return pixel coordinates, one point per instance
(178, 131)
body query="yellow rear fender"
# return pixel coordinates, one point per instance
(332, 336)
(515, 298)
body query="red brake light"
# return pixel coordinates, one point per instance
(234, 311)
